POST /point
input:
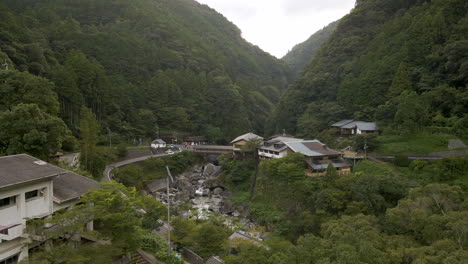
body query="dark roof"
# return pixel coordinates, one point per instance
(17, 169)
(70, 185)
(363, 126)
(197, 139)
(323, 164)
(342, 123)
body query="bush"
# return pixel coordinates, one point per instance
(122, 151)
(418, 164)
(401, 161)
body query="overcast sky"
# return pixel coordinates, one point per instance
(277, 25)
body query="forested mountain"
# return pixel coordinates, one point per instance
(301, 54)
(138, 64)
(401, 63)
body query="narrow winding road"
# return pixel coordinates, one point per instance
(110, 167)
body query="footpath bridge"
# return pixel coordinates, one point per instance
(210, 149)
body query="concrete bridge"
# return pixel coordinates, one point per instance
(210, 149)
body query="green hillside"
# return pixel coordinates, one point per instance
(400, 63)
(174, 64)
(301, 54)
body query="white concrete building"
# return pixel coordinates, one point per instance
(276, 148)
(31, 189)
(158, 143)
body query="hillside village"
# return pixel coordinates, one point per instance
(154, 132)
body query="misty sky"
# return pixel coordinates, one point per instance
(277, 25)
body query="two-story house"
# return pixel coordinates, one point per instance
(29, 189)
(318, 157)
(242, 140)
(276, 147)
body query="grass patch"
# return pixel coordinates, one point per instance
(422, 143)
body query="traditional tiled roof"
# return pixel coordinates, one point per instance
(246, 137)
(363, 126)
(22, 168)
(323, 164)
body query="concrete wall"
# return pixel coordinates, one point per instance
(40, 206)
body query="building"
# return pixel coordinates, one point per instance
(352, 127)
(198, 140)
(30, 189)
(241, 141)
(158, 143)
(318, 156)
(276, 147)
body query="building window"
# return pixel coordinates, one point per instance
(7, 202)
(13, 259)
(33, 194)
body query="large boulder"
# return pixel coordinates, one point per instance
(210, 170)
(227, 207)
(218, 190)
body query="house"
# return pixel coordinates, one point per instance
(198, 140)
(158, 143)
(30, 189)
(318, 156)
(352, 127)
(276, 147)
(241, 141)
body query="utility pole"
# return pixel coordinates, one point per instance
(169, 178)
(365, 149)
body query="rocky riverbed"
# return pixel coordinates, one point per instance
(198, 193)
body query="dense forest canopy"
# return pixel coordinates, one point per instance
(401, 63)
(301, 54)
(138, 65)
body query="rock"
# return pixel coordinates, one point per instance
(197, 169)
(182, 195)
(184, 184)
(216, 201)
(236, 214)
(226, 207)
(218, 190)
(211, 170)
(213, 208)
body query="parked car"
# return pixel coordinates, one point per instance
(169, 152)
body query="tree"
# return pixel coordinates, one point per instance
(90, 158)
(21, 87)
(401, 81)
(27, 129)
(411, 112)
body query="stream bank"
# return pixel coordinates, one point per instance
(199, 194)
